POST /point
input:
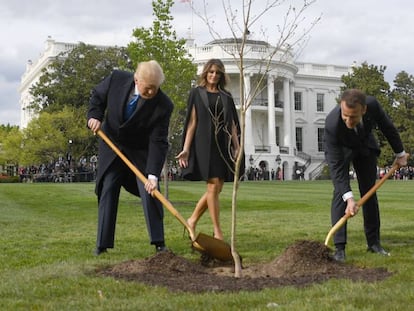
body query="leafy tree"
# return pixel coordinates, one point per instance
(370, 79)
(160, 42)
(47, 137)
(9, 143)
(403, 103)
(68, 80)
(6, 128)
(403, 92)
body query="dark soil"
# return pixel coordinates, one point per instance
(301, 264)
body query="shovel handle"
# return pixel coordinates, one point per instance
(154, 193)
(361, 202)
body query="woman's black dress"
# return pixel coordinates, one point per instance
(210, 154)
(217, 165)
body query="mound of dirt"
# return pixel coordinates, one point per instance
(301, 264)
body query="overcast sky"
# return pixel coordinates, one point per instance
(380, 32)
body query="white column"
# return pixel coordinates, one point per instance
(271, 123)
(292, 113)
(287, 117)
(249, 145)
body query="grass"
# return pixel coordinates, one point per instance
(47, 235)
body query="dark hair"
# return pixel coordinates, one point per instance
(202, 81)
(353, 97)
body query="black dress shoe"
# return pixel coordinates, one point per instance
(99, 250)
(339, 255)
(161, 248)
(376, 248)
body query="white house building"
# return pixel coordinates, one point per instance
(284, 124)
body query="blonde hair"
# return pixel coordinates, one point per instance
(150, 71)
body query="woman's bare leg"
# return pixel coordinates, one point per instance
(199, 210)
(210, 200)
(214, 187)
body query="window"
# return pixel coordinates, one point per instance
(320, 102)
(277, 136)
(277, 102)
(298, 101)
(320, 139)
(299, 139)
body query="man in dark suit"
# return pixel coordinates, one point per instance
(135, 115)
(349, 139)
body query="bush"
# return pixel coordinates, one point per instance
(8, 179)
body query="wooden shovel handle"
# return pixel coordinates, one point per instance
(361, 202)
(141, 177)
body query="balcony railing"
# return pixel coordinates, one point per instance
(262, 149)
(284, 149)
(261, 102)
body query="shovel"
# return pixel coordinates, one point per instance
(360, 202)
(203, 243)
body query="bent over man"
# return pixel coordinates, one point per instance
(134, 113)
(349, 139)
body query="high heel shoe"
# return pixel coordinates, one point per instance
(186, 233)
(191, 229)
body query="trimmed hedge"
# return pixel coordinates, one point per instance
(9, 179)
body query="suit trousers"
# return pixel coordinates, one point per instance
(365, 165)
(108, 207)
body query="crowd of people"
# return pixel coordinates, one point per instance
(403, 173)
(258, 173)
(60, 171)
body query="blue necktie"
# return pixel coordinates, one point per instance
(130, 108)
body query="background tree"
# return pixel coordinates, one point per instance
(403, 112)
(69, 79)
(66, 83)
(160, 42)
(10, 138)
(288, 36)
(46, 138)
(370, 79)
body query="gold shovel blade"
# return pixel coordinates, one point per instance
(216, 248)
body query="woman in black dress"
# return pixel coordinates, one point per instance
(211, 140)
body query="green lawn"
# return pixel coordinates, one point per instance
(47, 235)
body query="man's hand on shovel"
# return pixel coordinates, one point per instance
(402, 161)
(351, 207)
(151, 184)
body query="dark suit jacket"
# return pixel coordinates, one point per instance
(143, 138)
(341, 142)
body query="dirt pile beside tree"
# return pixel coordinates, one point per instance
(301, 264)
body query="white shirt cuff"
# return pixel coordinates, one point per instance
(347, 195)
(153, 177)
(401, 154)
